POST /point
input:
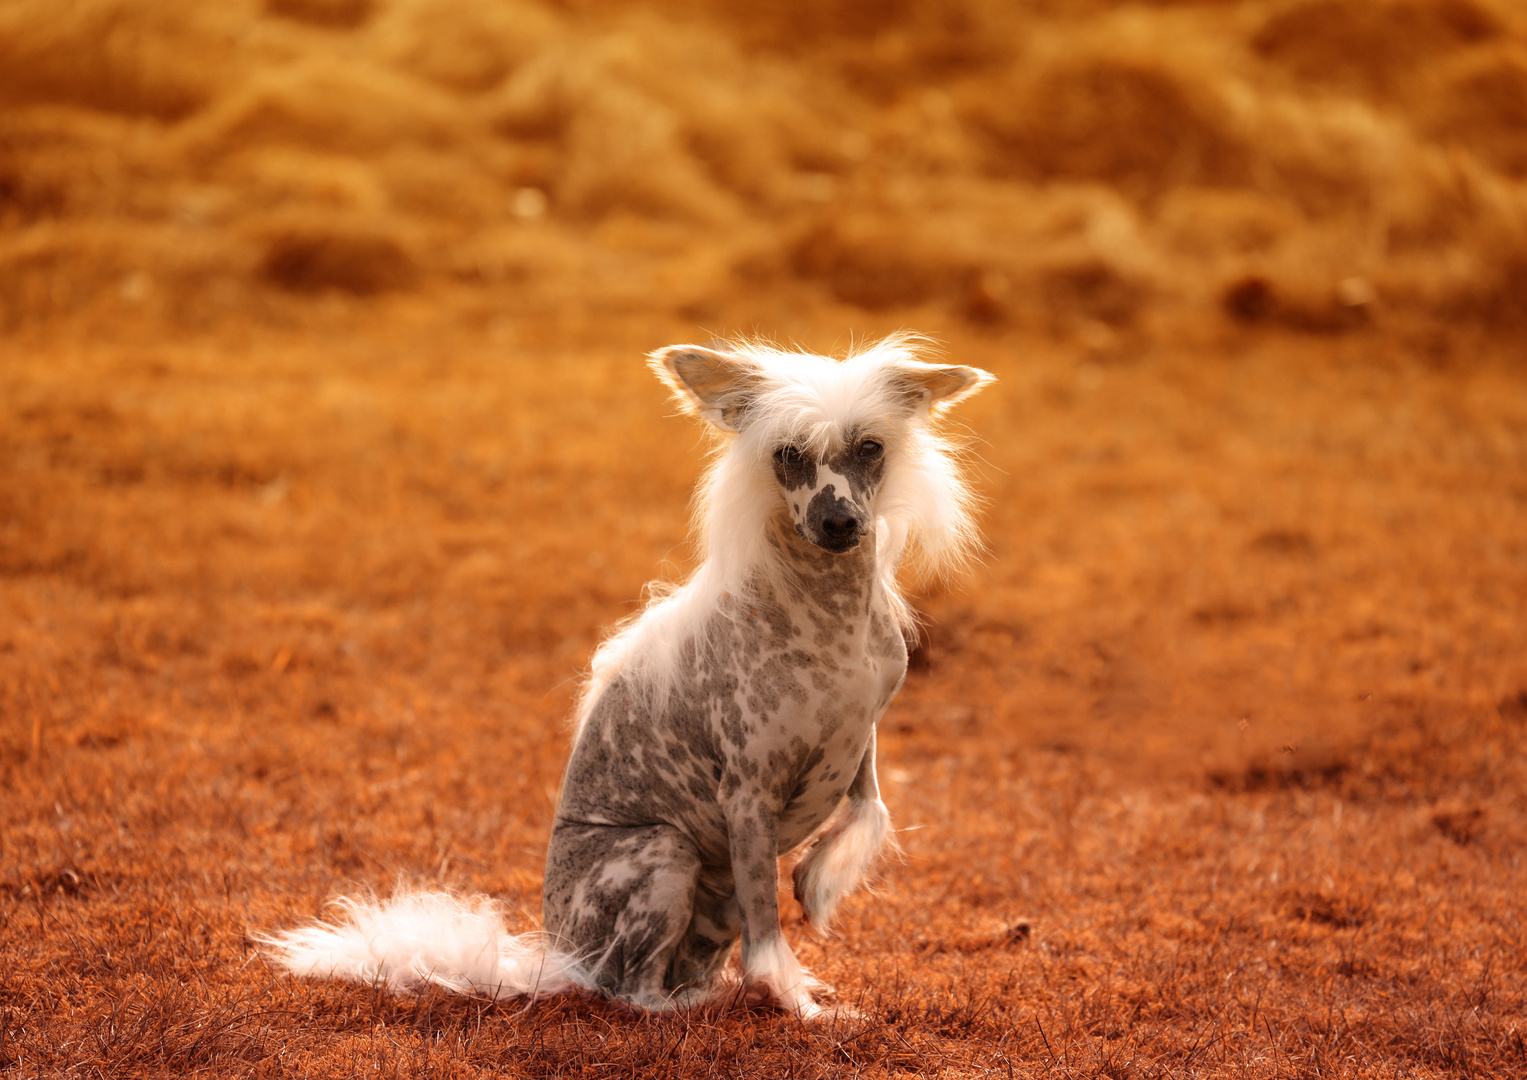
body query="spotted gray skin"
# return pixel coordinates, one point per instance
(665, 847)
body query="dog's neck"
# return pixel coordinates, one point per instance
(840, 584)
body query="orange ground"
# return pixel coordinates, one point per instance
(326, 453)
(1231, 719)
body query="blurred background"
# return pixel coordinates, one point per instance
(1082, 166)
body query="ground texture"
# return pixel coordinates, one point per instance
(1214, 765)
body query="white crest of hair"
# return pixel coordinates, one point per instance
(419, 939)
(924, 505)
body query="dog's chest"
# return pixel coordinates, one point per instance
(772, 707)
(815, 682)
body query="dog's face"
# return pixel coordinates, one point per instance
(831, 496)
(830, 431)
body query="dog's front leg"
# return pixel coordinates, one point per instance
(768, 962)
(838, 860)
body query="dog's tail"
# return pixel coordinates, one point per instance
(420, 939)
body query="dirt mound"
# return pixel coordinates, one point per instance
(1375, 47)
(1482, 105)
(468, 48)
(1133, 126)
(117, 56)
(314, 259)
(335, 14)
(974, 161)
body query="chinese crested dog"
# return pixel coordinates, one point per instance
(730, 722)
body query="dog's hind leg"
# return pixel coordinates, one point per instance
(713, 931)
(621, 899)
(837, 862)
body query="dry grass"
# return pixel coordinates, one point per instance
(1215, 768)
(325, 455)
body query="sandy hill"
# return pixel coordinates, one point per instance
(1318, 162)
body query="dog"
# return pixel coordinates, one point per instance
(732, 721)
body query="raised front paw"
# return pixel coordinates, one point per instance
(839, 860)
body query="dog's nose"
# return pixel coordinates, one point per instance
(840, 526)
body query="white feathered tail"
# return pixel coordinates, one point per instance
(420, 939)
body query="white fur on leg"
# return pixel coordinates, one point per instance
(773, 966)
(840, 858)
(419, 939)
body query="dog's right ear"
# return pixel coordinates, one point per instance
(938, 386)
(716, 385)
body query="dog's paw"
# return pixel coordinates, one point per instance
(838, 1015)
(772, 975)
(797, 1001)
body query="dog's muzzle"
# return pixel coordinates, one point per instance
(832, 523)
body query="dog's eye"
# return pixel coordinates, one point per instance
(870, 449)
(789, 455)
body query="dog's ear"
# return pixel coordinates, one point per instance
(715, 384)
(937, 385)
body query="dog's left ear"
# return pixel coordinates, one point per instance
(938, 385)
(716, 385)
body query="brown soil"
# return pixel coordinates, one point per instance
(326, 454)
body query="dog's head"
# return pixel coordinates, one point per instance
(829, 431)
